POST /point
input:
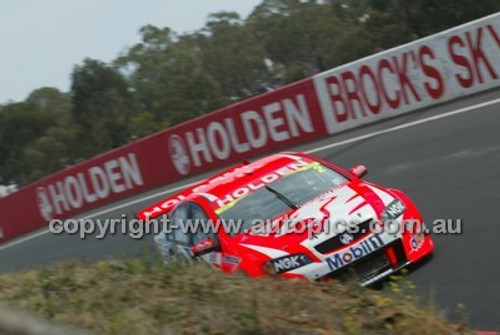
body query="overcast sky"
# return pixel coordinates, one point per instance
(41, 40)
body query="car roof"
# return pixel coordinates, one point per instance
(243, 175)
(236, 179)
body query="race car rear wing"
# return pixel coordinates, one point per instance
(168, 204)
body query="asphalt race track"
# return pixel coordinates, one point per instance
(449, 166)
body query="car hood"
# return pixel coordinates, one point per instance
(354, 202)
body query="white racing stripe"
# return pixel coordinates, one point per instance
(475, 108)
(383, 195)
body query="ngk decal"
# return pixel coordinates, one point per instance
(252, 129)
(98, 182)
(287, 263)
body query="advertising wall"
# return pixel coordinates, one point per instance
(455, 63)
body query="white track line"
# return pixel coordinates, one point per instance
(406, 125)
(315, 150)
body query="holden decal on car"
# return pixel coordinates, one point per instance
(251, 203)
(346, 238)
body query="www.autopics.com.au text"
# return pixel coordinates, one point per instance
(137, 229)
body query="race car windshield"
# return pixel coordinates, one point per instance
(278, 197)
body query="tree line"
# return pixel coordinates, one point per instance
(168, 78)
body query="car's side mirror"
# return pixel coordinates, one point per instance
(204, 247)
(358, 170)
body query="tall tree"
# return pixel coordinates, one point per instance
(102, 107)
(20, 124)
(425, 17)
(169, 81)
(231, 54)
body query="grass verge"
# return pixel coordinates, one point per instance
(136, 297)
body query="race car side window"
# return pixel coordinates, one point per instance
(180, 215)
(168, 233)
(200, 221)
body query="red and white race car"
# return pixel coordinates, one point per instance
(297, 216)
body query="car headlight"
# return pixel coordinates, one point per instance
(394, 210)
(286, 263)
